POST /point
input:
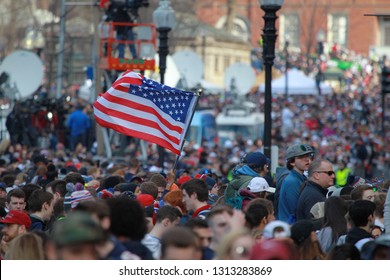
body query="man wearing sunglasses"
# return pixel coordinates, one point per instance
(321, 177)
(298, 157)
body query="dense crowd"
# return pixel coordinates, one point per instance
(57, 208)
(328, 198)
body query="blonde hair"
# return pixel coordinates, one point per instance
(225, 245)
(27, 246)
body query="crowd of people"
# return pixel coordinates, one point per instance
(328, 198)
(55, 208)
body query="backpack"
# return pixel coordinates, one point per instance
(239, 201)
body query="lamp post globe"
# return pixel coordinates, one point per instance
(270, 7)
(164, 18)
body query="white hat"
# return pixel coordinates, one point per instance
(259, 184)
(269, 230)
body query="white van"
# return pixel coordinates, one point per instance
(239, 120)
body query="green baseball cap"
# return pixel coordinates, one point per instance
(76, 228)
(298, 150)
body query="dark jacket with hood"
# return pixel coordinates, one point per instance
(281, 173)
(242, 174)
(355, 234)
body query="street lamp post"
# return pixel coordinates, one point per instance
(287, 65)
(164, 18)
(270, 7)
(320, 51)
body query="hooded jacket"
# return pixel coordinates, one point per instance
(242, 174)
(281, 174)
(289, 194)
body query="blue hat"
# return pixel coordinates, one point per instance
(205, 171)
(210, 182)
(256, 160)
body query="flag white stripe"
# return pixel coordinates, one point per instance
(137, 113)
(135, 126)
(144, 102)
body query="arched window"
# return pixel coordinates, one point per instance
(240, 28)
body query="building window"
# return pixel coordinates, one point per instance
(226, 62)
(338, 29)
(240, 27)
(289, 30)
(216, 64)
(384, 27)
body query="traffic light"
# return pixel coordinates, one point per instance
(385, 80)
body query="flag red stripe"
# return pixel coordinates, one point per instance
(137, 134)
(134, 119)
(141, 107)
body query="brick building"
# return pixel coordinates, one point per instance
(341, 21)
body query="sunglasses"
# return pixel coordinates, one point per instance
(330, 172)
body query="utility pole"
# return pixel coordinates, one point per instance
(97, 78)
(102, 141)
(61, 50)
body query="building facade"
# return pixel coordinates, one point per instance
(358, 25)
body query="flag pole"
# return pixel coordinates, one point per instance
(197, 95)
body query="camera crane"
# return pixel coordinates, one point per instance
(122, 15)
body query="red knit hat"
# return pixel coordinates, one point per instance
(183, 179)
(145, 199)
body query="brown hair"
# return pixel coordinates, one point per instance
(159, 180)
(180, 237)
(379, 201)
(149, 188)
(266, 202)
(219, 210)
(311, 250)
(357, 193)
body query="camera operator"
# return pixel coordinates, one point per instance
(119, 11)
(14, 124)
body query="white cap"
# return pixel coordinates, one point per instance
(269, 230)
(259, 184)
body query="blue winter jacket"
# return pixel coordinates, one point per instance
(289, 194)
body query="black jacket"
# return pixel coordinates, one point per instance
(137, 248)
(355, 234)
(310, 195)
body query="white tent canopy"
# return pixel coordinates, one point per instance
(298, 84)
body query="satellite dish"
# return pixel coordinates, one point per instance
(172, 75)
(239, 77)
(25, 71)
(190, 67)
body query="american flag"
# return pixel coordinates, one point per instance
(139, 107)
